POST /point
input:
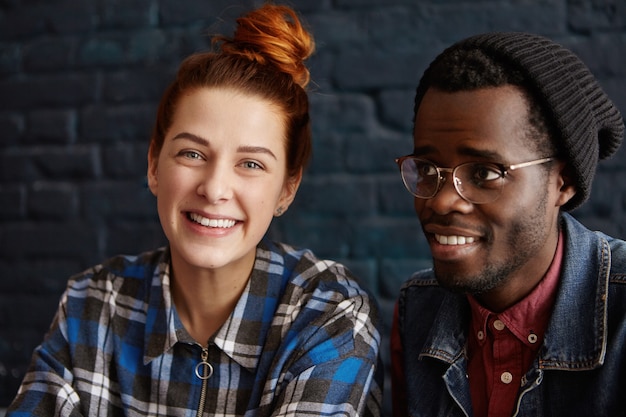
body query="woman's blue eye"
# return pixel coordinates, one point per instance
(251, 165)
(191, 154)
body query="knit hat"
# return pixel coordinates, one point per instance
(589, 124)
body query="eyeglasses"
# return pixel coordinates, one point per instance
(476, 182)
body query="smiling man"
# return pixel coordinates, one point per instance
(524, 310)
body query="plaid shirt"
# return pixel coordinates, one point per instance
(302, 340)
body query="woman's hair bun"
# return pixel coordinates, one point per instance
(272, 34)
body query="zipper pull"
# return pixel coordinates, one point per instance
(204, 370)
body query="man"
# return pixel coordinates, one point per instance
(524, 310)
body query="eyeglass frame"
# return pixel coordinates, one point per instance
(441, 179)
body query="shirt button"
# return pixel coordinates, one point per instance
(498, 325)
(480, 335)
(506, 378)
(532, 338)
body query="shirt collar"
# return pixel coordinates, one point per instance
(163, 327)
(243, 335)
(529, 317)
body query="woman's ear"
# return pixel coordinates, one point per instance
(152, 170)
(290, 188)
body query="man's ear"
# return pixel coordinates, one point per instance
(566, 184)
(290, 188)
(153, 160)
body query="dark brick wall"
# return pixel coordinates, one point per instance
(79, 83)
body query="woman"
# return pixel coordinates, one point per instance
(221, 321)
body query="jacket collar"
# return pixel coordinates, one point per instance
(576, 334)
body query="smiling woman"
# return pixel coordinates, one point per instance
(220, 321)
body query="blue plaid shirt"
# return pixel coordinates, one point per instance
(302, 340)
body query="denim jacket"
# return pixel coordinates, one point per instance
(580, 369)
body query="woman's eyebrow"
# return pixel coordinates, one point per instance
(204, 142)
(194, 138)
(256, 149)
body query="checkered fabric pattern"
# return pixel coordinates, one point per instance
(302, 340)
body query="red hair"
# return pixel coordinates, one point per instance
(265, 58)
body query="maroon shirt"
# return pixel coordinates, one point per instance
(502, 346)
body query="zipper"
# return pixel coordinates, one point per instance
(204, 371)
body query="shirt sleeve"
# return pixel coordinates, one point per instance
(398, 384)
(46, 389)
(334, 368)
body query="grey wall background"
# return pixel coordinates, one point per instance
(79, 85)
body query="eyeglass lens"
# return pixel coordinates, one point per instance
(475, 182)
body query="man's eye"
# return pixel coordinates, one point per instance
(425, 169)
(482, 173)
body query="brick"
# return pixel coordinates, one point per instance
(38, 163)
(68, 240)
(392, 238)
(53, 201)
(51, 127)
(327, 237)
(132, 238)
(124, 160)
(146, 47)
(121, 50)
(394, 199)
(118, 200)
(337, 196)
(10, 58)
(49, 54)
(102, 50)
(37, 276)
(598, 53)
(328, 156)
(12, 127)
(12, 202)
(50, 90)
(364, 70)
(18, 165)
(77, 162)
(396, 108)
(141, 84)
(342, 113)
(34, 311)
(129, 14)
(117, 123)
(377, 154)
(20, 22)
(545, 17)
(336, 28)
(303, 6)
(595, 15)
(72, 17)
(178, 12)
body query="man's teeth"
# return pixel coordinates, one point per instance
(454, 240)
(223, 223)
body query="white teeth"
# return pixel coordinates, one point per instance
(454, 240)
(221, 223)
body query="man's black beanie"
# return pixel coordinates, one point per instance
(589, 124)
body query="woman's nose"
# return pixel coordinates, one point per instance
(215, 183)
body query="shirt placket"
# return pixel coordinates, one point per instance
(506, 377)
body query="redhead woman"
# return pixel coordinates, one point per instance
(221, 321)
